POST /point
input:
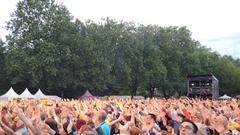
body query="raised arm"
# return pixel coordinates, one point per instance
(26, 121)
(6, 129)
(50, 131)
(115, 121)
(56, 118)
(69, 128)
(133, 113)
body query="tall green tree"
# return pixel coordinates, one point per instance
(99, 39)
(2, 55)
(3, 79)
(154, 72)
(39, 47)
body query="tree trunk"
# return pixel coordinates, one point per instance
(45, 81)
(151, 89)
(151, 92)
(134, 88)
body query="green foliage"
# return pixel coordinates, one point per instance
(2, 58)
(2, 50)
(3, 80)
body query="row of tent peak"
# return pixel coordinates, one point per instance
(11, 94)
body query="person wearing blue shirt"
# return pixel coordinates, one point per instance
(103, 128)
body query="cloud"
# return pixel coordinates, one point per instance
(235, 37)
(6, 8)
(229, 45)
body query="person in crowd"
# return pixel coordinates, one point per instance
(120, 116)
(188, 127)
(102, 126)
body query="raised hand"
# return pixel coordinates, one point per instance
(19, 110)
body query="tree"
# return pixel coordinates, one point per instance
(3, 80)
(2, 51)
(154, 72)
(39, 47)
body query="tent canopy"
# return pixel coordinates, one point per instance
(124, 97)
(53, 97)
(10, 94)
(87, 95)
(26, 94)
(225, 97)
(39, 94)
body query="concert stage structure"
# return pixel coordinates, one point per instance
(203, 86)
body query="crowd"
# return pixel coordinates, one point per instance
(120, 116)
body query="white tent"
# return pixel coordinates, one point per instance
(39, 95)
(125, 97)
(225, 97)
(26, 94)
(87, 94)
(53, 97)
(10, 94)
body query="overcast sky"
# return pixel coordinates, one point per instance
(215, 23)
